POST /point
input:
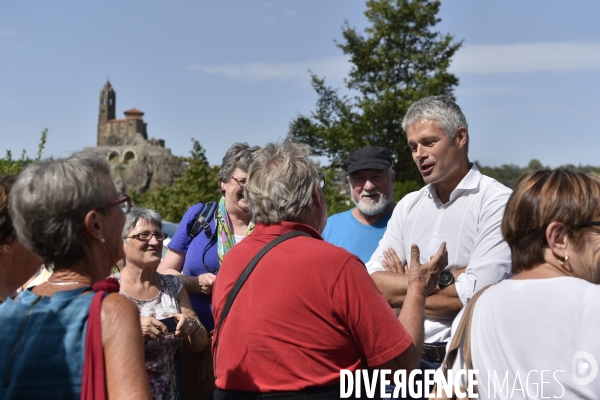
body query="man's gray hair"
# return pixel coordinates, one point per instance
(241, 156)
(443, 110)
(135, 214)
(50, 199)
(280, 183)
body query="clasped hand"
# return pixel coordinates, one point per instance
(153, 329)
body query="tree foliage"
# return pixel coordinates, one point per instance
(10, 166)
(338, 200)
(509, 174)
(398, 60)
(198, 183)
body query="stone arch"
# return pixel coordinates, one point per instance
(129, 155)
(113, 157)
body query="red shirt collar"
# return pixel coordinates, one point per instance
(284, 227)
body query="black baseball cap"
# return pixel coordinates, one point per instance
(372, 157)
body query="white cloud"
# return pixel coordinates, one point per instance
(291, 13)
(527, 57)
(267, 20)
(333, 68)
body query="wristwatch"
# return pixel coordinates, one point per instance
(446, 279)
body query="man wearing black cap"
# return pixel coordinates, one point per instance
(371, 179)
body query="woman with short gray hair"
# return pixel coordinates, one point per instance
(166, 314)
(197, 259)
(69, 212)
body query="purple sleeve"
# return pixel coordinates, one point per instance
(181, 239)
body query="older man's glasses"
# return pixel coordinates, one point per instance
(146, 236)
(124, 203)
(321, 180)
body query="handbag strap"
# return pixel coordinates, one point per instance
(462, 334)
(240, 282)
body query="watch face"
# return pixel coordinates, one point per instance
(446, 278)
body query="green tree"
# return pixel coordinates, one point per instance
(9, 166)
(198, 183)
(399, 60)
(338, 200)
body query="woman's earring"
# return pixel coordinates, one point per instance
(564, 261)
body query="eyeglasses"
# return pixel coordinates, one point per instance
(241, 182)
(321, 180)
(124, 203)
(147, 236)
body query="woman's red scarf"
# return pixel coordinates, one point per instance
(93, 386)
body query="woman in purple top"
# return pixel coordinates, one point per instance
(197, 260)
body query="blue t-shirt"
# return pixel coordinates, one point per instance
(201, 257)
(345, 231)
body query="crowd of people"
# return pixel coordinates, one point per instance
(261, 295)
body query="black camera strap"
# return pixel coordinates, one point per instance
(240, 282)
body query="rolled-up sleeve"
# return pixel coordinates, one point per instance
(490, 260)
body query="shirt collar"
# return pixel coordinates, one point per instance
(284, 227)
(470, 182)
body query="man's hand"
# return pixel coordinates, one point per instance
(392, 262)
(425, 276)
(200, 284)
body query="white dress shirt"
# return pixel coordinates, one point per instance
(469, 223)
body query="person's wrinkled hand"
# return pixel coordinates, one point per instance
(153, 329)
(392, 262)
(426, 275)
(200, 284)
(185, 325)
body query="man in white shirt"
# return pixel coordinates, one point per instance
(459, 206)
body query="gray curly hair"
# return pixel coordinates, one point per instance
(50, 199)
(280, 183)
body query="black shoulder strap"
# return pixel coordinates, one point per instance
(242, 279)
(203, 218)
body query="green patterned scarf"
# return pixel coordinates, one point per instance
(225, 239)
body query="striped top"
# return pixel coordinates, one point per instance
(46, 335)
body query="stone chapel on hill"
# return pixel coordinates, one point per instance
(137, 163)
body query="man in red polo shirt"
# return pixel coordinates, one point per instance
(308, 309)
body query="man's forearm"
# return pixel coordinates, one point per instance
(412, 317)
(443, 304)
(392, 285)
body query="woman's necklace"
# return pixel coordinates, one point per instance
(63, 283)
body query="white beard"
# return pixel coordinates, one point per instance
(369, 207)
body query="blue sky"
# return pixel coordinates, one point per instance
(232, 71)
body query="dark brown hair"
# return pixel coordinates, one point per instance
(7, 231)
(540, 198)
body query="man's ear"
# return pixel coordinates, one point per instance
(556, 236)
(461, 136)
(317, 197)
(92, 224)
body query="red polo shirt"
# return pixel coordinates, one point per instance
(308, 309)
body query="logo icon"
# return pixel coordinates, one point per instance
(584, 368)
